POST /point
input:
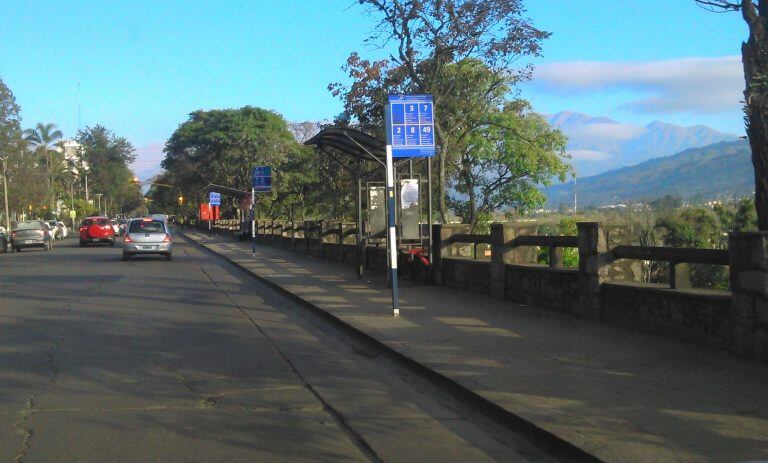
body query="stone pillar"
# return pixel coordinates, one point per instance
(500, 257)
(555, 257)
(748, 253)
(440, 243)
(593, 249)
(340, 242)
(307, 235)
(679, 275)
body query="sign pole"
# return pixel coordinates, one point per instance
(253, 222)
(391, 238)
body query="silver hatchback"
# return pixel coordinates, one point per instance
(147, 236)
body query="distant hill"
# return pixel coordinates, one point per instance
(716, 171)
(600, 144)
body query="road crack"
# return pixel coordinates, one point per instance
(355, 437)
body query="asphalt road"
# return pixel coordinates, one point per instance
(194, 360)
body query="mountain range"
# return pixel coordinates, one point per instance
(600, 144)
(720, 170)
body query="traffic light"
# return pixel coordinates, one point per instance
(181, 200)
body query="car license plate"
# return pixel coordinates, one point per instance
(94, 239)
(26, 241)
(147, 247)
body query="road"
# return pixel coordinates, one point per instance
(194, 360)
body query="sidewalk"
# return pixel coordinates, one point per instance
(618, 395)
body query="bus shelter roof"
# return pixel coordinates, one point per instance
(227, 190)
(350, 141)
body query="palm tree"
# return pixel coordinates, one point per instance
(44, 138)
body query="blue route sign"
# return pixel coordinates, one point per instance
(214, 198)
(262, 179)
(410, 127)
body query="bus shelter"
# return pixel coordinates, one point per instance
(363, 156)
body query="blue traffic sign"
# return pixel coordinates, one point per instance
(410, 127)
(214, 198)
(262, 179)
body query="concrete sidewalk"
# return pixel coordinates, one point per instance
(619, 395)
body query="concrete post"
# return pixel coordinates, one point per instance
(500, 257)
(555, 257)
(307, 235)
(340, 242)
(593, 248)
(748, 261)
(440, 243)
(679, 275)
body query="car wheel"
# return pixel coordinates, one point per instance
(82, 244)
(50, 245)
(168, 256)
(112, 242)
(17, 249)
(126, 257)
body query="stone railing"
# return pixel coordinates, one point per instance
(736, 320)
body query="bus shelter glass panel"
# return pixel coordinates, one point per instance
(377, 210)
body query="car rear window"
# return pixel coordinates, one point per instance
(141, 226)
(87, 222)
(32, 225)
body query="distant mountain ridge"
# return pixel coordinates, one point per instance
(717, 171)
(600, 144)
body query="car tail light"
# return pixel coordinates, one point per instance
(127, 239)
(167, 238)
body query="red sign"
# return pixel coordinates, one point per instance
(205, 211)
(215, 212)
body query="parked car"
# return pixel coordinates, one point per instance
(96, 230)
(147, 236)
(64, 230)
(3, 240)
(122, 223)
(31, 233)
(54, 229)
(59, 229)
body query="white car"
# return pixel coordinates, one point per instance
(58, 230)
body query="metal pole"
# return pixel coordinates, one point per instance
(5, 195)
(429, 214)
(391, 238)
(253, 222)
(360, 244)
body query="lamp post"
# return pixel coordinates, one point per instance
(98, 197)
(5, 195)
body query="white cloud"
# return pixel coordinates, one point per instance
(696, 85)
(588, 155)
(607, 131)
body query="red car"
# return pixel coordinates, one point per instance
(96, 230)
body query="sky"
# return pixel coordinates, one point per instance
(140, 67)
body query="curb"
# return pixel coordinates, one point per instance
(556, 446)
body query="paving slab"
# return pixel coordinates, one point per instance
(619, 395)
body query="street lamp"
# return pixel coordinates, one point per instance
(98, 197)
(5, 195)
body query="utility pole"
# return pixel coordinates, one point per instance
(98, 196)
(5, 195)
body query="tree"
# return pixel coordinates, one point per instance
(108, 157)
(222, 146)
(755, 61)
(504, 161)
(428, 36)
(10, 132)
(43, 138)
